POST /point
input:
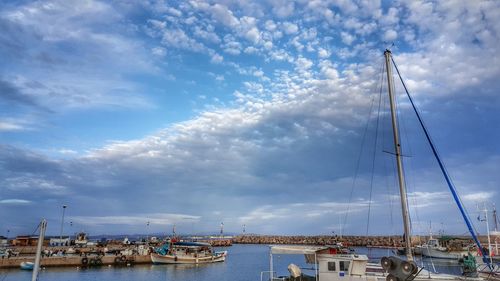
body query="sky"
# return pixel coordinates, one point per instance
(266, 114)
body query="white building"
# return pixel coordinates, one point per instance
(59, 242)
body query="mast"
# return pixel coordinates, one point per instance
(41, 237)
(445, 173)
(495, 218)
(488, 232)
(399, 161)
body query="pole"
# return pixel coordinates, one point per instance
(488, 232)
(62, 225)
(147, 234)
(271, 272)
(36, 267)
(399, 161)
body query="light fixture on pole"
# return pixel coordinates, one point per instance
(62, 224)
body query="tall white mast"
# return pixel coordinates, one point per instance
(41, 237)
(397, 150)
(488, 232)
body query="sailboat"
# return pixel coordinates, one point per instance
(35, 266)
(330, 264)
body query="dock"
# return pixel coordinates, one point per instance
(77, 261)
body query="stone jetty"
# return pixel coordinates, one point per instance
(365, 241)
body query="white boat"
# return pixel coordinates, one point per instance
(330, 265)
(187, 253)
(433, 249)
(27, 265)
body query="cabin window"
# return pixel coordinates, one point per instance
(344, 265)
(331, 266)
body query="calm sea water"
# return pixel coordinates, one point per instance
(244, 263)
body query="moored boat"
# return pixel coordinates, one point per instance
(187, 253)
(27, 265)
(433, 249)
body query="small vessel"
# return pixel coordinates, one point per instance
(332, 264)
(433, 249)
(179, 252)
(27, 265)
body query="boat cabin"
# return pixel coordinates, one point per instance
(330, 263)
(433, 243)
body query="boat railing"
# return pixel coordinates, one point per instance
(491, 268)
(271, 276)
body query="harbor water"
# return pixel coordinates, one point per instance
(244, 263)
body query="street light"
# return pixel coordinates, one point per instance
(62, 224)
(147, 234)
(70, 231)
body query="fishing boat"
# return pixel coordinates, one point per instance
(179, 252)
(332, 265)
(433, 249)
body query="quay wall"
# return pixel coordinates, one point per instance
(76, 261)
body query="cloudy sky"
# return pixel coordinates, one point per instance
(259, 113)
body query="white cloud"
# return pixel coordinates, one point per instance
(27, 183)
(177, 38)
(390, 35)
(283, 8)
(208, 34)
(14, 201)
(158, 219)
(232, 47)
(270, 25)
(290, 28)
(216, 58)
(251, 50)
(347, 38)
(11, 126)
(479, 197)
(159, 51)
(323, 53)
(218, 12)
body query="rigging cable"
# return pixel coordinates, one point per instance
(445, 173)
(374, 151)
(357, 165)
(409, 179)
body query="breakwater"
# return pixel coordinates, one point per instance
(377, 241)
(393, 241)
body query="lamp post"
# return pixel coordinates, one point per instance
(147, 234)
(70, 231)
(62, 224)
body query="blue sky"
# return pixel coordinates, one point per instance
(197, 112)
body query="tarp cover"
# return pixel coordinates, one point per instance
(295, 250)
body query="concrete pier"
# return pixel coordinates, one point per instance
(76, 261)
